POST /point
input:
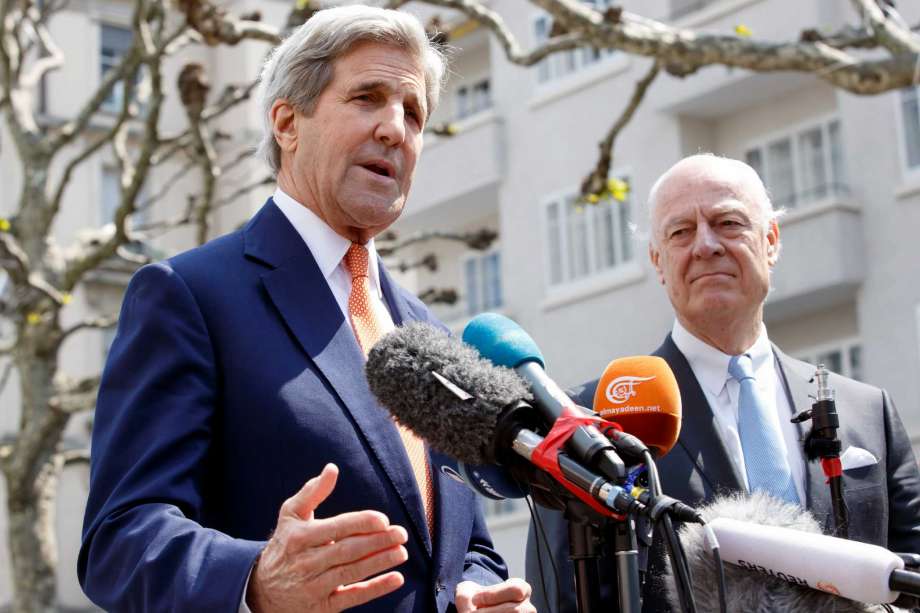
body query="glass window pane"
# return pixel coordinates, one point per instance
(541, 34)
(855, 354)
(838, 168)
(473, 282)
(910, 109)
(463, 102)
(625, 211)
(812, 171)
(577, 226)
(780, 177)
(832, 360)
(492, 286)
(754, 159)
(114, 43)
(554, 243)
(603, 235)
(111, 194)
(482, 98)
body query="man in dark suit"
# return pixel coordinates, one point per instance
(714, 240)
(237, 373)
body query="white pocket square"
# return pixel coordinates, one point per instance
(857, 457)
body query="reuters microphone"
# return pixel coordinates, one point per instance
(641, 395)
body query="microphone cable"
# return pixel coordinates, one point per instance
(543, 542)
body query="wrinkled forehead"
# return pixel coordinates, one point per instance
(706, 190)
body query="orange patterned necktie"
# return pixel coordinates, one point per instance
(370, 321)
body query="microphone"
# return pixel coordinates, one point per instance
(444, 391)
(466, 408)
(641, 394)
(779, 556)
(505, 343)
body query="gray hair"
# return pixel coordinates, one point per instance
(756, 190)
(300, 68)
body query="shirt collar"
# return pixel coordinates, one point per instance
(711, 365)
(327, 246)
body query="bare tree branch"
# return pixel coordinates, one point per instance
(481, 239)
(73, 456)
(96, 323)
(7, 372)
(596, 182)
(54, 59)
(889, 33)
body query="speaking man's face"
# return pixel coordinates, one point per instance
(710, 248)
(352, 160)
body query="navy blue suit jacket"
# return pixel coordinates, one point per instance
(234, 377)
(883, 499)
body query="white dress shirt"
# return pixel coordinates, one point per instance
(710, 366)
(328, 249)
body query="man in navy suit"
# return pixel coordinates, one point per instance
(237, 374)
(714, 241)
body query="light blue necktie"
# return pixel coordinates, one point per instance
(766, 465)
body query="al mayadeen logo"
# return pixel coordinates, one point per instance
(620, 390)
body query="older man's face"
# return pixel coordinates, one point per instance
(710, 248)
(353, 159)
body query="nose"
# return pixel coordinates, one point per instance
(706, 243)
(391, 125)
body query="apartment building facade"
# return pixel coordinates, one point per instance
(847, 170)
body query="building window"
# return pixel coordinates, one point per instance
(564, 63)
(483, 282)
(115, 43)
(843, 358)
(802, 167)
(473, 98)
(586, 239)
(910, 112)
(111, 194)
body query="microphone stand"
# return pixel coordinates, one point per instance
(822, 443)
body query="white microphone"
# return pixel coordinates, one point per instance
(850, 569)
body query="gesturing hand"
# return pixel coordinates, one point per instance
(511, 596)
(323, 565)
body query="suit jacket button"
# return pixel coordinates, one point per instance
(439, 587)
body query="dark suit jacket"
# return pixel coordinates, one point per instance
(883, 500)
(234, 378)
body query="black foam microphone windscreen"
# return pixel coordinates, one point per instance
(442, 390)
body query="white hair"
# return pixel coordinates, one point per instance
(755, 193)
(300, 68)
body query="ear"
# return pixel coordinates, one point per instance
(655, 257)
(284, 124)
(773, 244)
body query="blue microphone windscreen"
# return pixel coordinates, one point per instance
(501, 341)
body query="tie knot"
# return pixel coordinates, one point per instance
(356, 260)
(741, 367)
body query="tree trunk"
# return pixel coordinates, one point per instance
(31, 472)
(33, 546)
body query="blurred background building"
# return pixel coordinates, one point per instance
(846, 169)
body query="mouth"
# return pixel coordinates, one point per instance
(712, 275)
(380, 167)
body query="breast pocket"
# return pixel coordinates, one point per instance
(866, 503)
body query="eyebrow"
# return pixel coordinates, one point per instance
(387, 86)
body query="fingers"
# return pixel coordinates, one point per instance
(512, 590)
(302, 504)
(511, 596)
(360, 570)
(318, 532)
(347, 596)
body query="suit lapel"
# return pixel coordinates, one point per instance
(304, 301)
(699, 434)
(799, 390)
